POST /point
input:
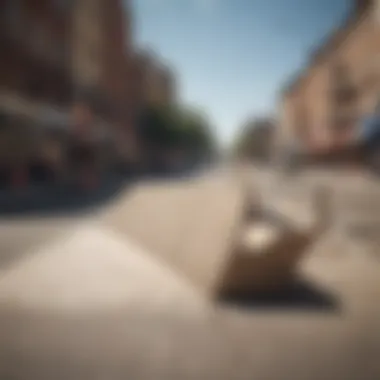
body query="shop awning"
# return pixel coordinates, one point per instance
(43, 114)
(16, 105)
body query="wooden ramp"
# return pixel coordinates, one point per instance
(200, 229)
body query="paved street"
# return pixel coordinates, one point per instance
(80, 300)
(355, 199)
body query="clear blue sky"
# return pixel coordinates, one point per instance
(232, 56)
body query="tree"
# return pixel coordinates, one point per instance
(197, 138)
(176, 128)
(156, 128)
(255, 139)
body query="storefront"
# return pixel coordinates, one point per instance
(31, 140)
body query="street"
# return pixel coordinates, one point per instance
(162, 219)
(80, 300)
(355, 199)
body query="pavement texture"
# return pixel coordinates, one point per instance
(355, 200)
(191, 225)
(81, 300)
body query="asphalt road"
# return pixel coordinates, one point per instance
(80, 301)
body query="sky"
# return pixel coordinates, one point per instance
(233, 56)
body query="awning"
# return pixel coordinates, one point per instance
(49, 117)
(43, 114)
(16, 105)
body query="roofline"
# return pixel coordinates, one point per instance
(333, 40)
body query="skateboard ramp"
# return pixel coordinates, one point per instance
(200, 229)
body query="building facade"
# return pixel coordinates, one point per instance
(35, 76)
(322, 107)
(73, 63)
(118, 80)
(156, 80)
(88, 41)
(34, 49)
(67, 60)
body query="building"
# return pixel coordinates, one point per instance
(256, 139)
(35, 75)
(35, 46)
(155, 87)
(164, 85)
(67, 63)
(101, 51)
(87, 46)
(115, 71)
(322, 106)
(161, 86)
(156, 80)
(118, 76)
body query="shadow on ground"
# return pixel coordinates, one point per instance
(300, 295)
(47, 201)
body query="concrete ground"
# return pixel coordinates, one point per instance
(79, 300)
(355, 199)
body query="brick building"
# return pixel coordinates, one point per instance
(35, 75)
(87, 39)
(321, 107)
(73, 63)
(115, 55)
(118, 76)
(102, 50)
(157, 80)
(65, 59)
(34, 50)
(163, 85)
